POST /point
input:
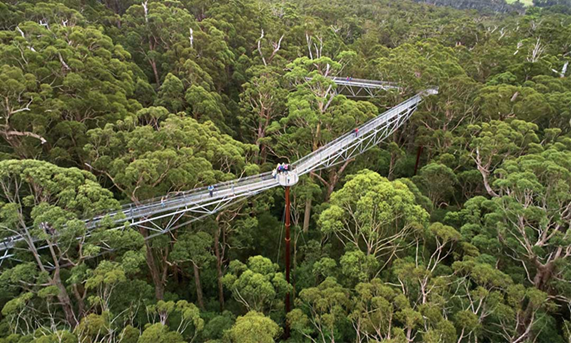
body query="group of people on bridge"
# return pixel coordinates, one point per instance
(281, 168)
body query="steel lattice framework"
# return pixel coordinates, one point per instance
(172, 211)
(361, 88)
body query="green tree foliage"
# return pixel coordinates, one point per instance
(151, 29)
(532, 196)
(156, 152)
(254, 327)
(196, 249)
(162, 313)
(159, 333)
(258, 285)
(374, 213)
(418, 65)
(58, 81)
(437, 182)
(454, 229)
(262, 102)
(316, 115)
(321, 311)
(171, 94)
(497, 141)
(43, 202)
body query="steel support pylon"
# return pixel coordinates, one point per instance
(287, 252)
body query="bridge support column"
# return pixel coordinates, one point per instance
(287, 254)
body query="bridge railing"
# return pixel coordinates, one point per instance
(166, 202)
(304, 164)
(132, 212)
(365, 83)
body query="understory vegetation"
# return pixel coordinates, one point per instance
(456, 228)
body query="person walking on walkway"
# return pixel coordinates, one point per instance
(211, 190)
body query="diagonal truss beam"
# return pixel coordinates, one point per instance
(361, 88)
(354, 143)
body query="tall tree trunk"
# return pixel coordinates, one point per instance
(261, 134)
(79, 298)
(392, 162)
(55, 280)
(155, 72)
(263, 153)
(540, 281)
(543, 275)
(153, 268)
(198, 286)
(64, 299)
(152, 61)
(307, 215)
(155, 273)
(334, 176)
(219, 268)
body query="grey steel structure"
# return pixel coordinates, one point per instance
(178, 209)
(361, 88)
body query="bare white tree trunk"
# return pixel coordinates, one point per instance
(191, 37)
(536, 52)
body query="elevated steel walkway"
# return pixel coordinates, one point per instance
(182, 208)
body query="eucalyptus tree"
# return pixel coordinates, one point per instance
(321, 313)
(196, 249)
(180, 316)
(44, 205)
(496, 141)
(532, 195)
(157, 153)
(373, 214)
(502, 102)
(437, 181)
(149, 29)
(527, 218)
(416, 66)
(441, 121)
(262, 102)
(58, 81)
(258, 285)
(253, 327)
(165, 37)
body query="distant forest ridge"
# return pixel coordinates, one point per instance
(503, 6)
(524, 2)
(480, 5)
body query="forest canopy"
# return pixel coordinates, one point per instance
(456, 228)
